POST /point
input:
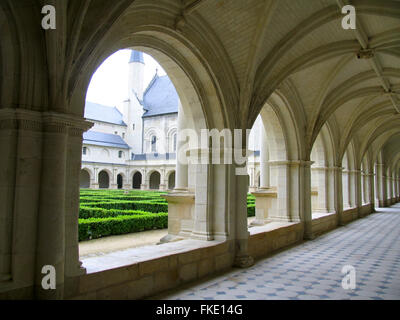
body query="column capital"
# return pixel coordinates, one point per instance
(37, 121)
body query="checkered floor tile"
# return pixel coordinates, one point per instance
(313, 270)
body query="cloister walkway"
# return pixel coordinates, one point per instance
(313, 270)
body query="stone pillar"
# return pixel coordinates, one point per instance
(371, 190)
(95, 184)
(145, 181)
(305, 194)
(381, 185)
(266, 204)
(321, 174)
(113, 179)
(181, 172)
(346, 189)
(73, 267)
(264, 161)
(356, 175)
(202, 222)
(8, 147)
(180, 216)
(242, 258)
(338, 195)
(280, 172)
(50, 244)
(163, 181)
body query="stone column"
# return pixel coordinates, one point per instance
(145, 181)
(264, 161)
(338, 194)
(242, 257)
(73, 266)
(356, 174)
(346, 189)
(181, 172)
(8, 147)
(95, 184)
(202, 221)
(390, 189)
(50, 244)
(163, 181)
(381, 185)
(321, 173)
(113, 179)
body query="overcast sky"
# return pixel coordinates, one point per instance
(109, 84)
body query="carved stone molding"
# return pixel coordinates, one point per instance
(22, 119)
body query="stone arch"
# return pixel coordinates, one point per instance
(322, 174)
(137, 180)
(171, 180)
(284, 149)
(120, 180)
(85, 178)
(202, 101)
(172, 136)
(154, 180)
(104, 179)
(349, 177)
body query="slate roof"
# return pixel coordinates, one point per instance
(136, 56)
(104, 139)
(160, 97)
(98, 112)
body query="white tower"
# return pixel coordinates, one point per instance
(134, 109)
(136, 73)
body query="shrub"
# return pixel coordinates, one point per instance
(94, 228)
(251, 210)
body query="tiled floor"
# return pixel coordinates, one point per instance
(313, 270)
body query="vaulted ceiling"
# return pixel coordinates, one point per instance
(348, 80)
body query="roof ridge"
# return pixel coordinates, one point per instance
(150, 84)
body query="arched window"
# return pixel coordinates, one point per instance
(120, 153)
(153, 144)
(84, 150)
(175, 142)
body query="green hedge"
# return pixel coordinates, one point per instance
(90, 212)
(148, 206)
(95, 228)
(251, 210)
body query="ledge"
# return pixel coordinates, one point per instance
(128, 257)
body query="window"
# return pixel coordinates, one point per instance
(84, 150)
(123, 135)
(116, 132)
(174, 142)
(153, 144)
(120, 154)
(133, 127)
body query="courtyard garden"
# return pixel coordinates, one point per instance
(104, 213)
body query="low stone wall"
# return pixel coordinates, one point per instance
(365, 210)
(349, 215)
(147, 278)
(324, 224)
(262, 243)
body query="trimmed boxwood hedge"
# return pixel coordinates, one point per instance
(148, 206)
(90, 212)
(251, 210)
(112, 212)
(95, 228)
